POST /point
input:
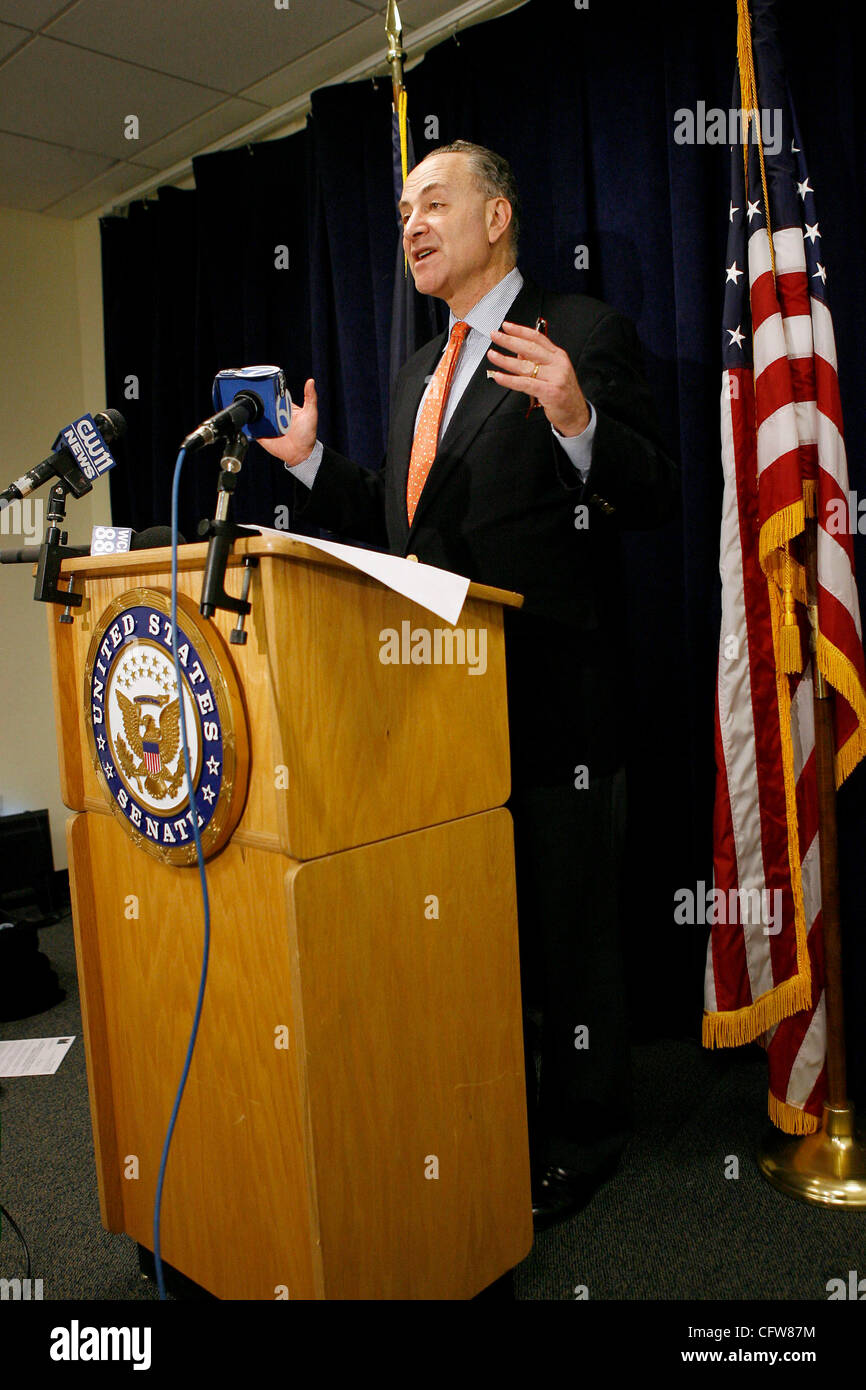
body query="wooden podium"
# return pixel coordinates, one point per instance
(354, 1123)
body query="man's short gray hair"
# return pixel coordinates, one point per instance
(494, 176)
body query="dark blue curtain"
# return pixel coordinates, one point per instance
(583, 104)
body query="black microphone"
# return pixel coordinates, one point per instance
(62, 463)
(29, 554)
(154, 538)
(244, 410)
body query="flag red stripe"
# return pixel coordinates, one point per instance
(763, 298)
(780, 383)
(793, 292)
(827, 392)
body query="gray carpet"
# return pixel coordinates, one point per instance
(669, 1225)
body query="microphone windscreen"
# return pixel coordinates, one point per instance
(115, 428)
(153, 537)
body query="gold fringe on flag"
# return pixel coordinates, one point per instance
(779, 528)
(837, 670)
(790, 1118)
(736, 1027)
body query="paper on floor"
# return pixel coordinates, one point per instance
(33, 1056)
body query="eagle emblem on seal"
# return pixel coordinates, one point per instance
(150, 745)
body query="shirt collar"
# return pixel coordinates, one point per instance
(489, 312)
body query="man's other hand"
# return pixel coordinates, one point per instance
(554, 384)
(297, 445)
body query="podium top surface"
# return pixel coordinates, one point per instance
(192, 556)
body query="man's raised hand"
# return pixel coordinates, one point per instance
(297, 445)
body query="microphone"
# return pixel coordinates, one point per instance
(29, 554)
(80, 456)
(266, 386)
(150, 539)
(154, 537)
(244, 410)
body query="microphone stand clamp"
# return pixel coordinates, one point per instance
(222, 534)
(55, 550)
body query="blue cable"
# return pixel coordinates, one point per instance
(200, 857)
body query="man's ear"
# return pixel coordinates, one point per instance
(498, 218)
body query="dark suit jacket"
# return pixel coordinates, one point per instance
(499, 506)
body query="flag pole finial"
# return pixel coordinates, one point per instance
(396, 53)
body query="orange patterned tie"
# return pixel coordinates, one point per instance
(426, 439)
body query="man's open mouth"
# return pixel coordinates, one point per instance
(422, 255)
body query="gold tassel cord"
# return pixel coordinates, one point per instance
(402, 114)
(402, 123)
(790, 649)
(774, 568)
(750, 109)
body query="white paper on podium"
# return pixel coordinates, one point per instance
(440, 591)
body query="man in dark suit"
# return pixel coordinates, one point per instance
(527, 497)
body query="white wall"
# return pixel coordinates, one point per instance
(52, 368)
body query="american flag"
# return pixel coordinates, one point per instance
(782, 442)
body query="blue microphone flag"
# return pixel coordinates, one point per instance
(83, 441)
(269, 385)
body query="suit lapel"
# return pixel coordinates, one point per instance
(478, 402)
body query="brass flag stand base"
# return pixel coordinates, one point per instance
(827, 1169)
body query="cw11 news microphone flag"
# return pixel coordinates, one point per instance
(784, 462)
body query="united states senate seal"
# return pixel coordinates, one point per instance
(133, 725)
